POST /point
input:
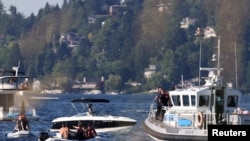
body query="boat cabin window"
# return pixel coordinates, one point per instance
(232, 101)
(193, 100)
(185, 99)
(203, 100)
(176, 100)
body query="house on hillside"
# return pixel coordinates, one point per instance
(207, 32)
(92, 85)
(93, 19)
(72, 39)
(186, 22)
(150, 71)
(116, 9)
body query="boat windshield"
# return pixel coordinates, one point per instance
(99, 107)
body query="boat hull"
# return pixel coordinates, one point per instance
(101, 125)
(157, 129)
(44, 136)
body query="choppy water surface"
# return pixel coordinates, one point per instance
(50, 106)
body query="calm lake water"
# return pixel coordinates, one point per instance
(50, 106)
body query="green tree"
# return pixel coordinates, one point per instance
(113, 83)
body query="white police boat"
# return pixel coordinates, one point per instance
(195, 108)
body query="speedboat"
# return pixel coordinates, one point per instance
(101, 121)
(195, 109)
(13, 85)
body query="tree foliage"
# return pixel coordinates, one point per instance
(119, 47)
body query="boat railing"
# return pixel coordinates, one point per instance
(234, 119)
(208, 119)
(151, 110)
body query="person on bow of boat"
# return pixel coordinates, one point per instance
(165, 102)
(158, 102)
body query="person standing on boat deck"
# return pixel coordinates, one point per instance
(64, 132)
(158, 102)
(61, 130)
(165, 102)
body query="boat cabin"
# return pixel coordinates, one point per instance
(209, 103)
(12, 82)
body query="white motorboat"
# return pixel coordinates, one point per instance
(13, 85)
(196, 108)
(18, 134)
(101, 121)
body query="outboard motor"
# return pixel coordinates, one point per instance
(43, 136)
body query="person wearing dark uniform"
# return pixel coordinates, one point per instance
(158, 102)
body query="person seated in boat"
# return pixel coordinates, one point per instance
(12, 80)
(91, 133)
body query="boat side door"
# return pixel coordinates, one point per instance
(219, 104)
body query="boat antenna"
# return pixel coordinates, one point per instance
(218, 62)
(200, 66)
(17, 68)
(236, 71)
